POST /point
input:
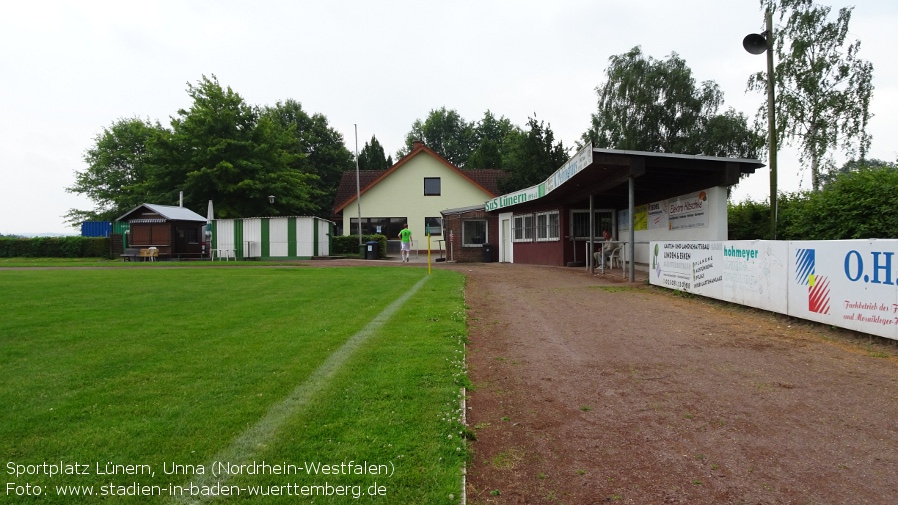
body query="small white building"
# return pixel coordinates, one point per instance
(271, 238)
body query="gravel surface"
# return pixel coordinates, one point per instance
(591, 390)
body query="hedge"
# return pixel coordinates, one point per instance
(349, 244)
(55, 247)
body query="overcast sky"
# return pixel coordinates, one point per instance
(70, 68)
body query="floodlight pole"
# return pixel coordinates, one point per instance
(771, 123)
(358, 190)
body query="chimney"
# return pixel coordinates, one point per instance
(181, 199)
(417, 143)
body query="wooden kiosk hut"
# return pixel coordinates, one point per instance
(175, 232)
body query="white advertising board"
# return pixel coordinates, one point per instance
(851, 284)
(687, 211)
(750, 273)
(657, 215)
(680, 213)
(846, 283)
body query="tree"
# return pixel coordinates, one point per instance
(221, 149)
(728, 135)
(319, 151)
(834, 173)
(224, 150)
(490, 135)
(655, 105)
(531, 156)
(823, 88)
(444, 131)
(373, 157)
(118, 170)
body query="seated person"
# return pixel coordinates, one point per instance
(606, 250)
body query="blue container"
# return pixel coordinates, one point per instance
(96, 228)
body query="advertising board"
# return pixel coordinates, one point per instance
(846, 283)
(751, 273)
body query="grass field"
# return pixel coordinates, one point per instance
(290, 382)
(104, 262)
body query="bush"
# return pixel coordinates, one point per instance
(748, 220)
(349, 244)
(55, 247)
(859, 204)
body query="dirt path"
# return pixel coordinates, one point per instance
(589, 392)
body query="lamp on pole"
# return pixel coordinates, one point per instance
(756, 43)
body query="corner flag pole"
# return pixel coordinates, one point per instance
(427, 232)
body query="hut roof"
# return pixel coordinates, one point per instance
(148, 212)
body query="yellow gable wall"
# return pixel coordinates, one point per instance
(401, 194)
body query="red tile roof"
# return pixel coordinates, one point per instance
(346, 191)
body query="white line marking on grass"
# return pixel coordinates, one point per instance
(257, 436)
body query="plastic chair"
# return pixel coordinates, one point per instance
(616, 260)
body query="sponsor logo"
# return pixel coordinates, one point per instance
(818, 285)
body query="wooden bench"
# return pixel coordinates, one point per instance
(149, 254)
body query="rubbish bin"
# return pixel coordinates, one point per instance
(487, 253)
(371, 249)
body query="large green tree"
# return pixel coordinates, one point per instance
(475, 144)
(220, 149)
(318, 150)
(223, 149)
(833, 173)
(444, 131)
(490, 135)
(823, 87)
(654, 105)
(118, 170)
(531, 156)
(373, 157)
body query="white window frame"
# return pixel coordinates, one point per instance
(524, 224)
(547, 226)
